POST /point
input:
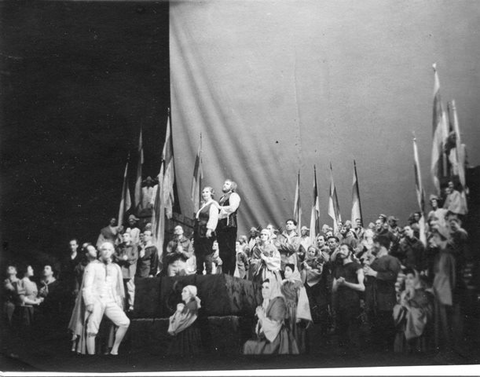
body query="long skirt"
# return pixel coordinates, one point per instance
(284, 344)
(187, 342)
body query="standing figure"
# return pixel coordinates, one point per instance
(126, 256)
(314, 277)
(27, 293)
(183, 326)
(380, 293)
(179, 251)
(110, 233)
(227, 225)
(411, 251)
(448, 289)
(273, 335)
(241, 269)
(103, 294)
(265, 263)
(69, 262)
(454, 202)
(305, 243)
(52, 292)
(77, 320)
(347, 283)
(133, 229)
(299, 316)
(9, 296)
(147, 263)
(206, 221)
(288, 244)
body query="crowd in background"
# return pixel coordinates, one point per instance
(403, 284)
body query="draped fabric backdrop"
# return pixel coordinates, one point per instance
(278, 86)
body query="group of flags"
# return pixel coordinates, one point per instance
(333, 205)
(448, 160)
(448, 152)
(163, 193)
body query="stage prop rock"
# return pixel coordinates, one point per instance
(226, 318)
(221, 295)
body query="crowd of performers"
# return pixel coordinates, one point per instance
(380, 282)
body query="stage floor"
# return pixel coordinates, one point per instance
(51, 353)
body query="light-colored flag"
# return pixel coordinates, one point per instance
(125, 201)
(420, 192)
(197, 179)
(333, 206)
(315, 215)
(459, 157)
(158, 217)
(169, 173)
(356, 204)
(138, 181)
(440, 134)
(297, 210)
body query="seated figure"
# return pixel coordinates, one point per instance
(273, 335)
(183, 324)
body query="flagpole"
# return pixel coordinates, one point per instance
(121, 209)
(420, 192)
(358, 191)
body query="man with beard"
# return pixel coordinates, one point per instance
(227, 226)
(347, 283)
(380, 294)
(103, 294)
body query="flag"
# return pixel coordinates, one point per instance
(459, 157)
(356, 205)
(440, 134)
(420, 192)
(197, 179)
(169, 171)
(158, 217)
(138, 181)
(315, 215)
(333, 207)
(125, 201)
(297, 210)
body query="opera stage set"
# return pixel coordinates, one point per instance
(274, 88)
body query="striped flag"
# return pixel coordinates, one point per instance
(138, 181)
(297, 210)
(420, 192)
(125, 201)
(197, 179)
(169, 173)
(315, 215)
(440, 134)
(356, 204)
(333, 206)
